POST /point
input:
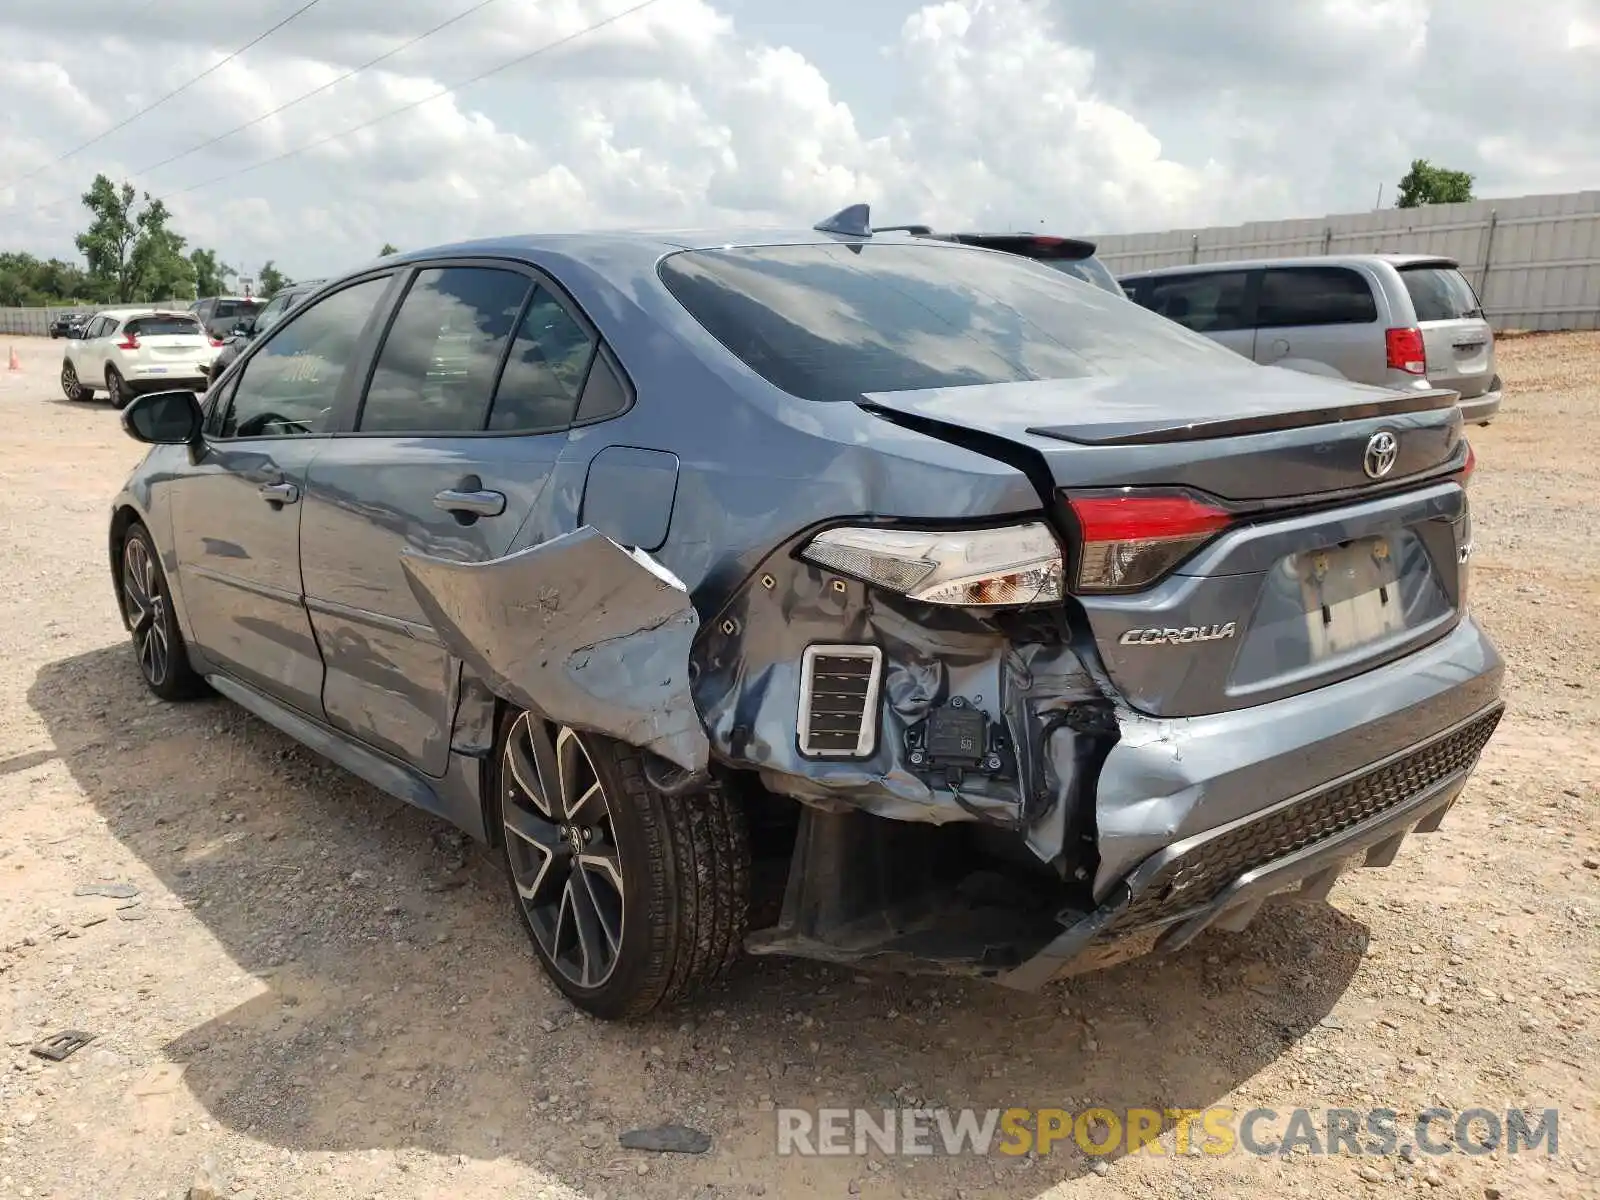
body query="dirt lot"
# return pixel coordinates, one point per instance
(323, 993)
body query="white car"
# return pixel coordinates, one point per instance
(125, 351)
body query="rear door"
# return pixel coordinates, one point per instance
(477, 381)
(1458, 339)
(1320, 314)
(1219, 304)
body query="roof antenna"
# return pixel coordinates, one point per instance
(855, 221)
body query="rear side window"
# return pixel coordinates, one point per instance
(1440, 293)
(437, 368)
(1205, 303)
(1314, 296)
(831, 322)
(153, 326)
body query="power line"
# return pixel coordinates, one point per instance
(394, 112)
(126, 121)
(317, 91)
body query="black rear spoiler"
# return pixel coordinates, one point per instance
(1029, 245)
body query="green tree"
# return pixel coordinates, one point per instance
(272, 280)
(388, 249)
(210, 274)
(25, 279)
(1428, 184)
(129, 248)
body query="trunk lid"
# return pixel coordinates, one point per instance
(1458, 340)
(1321, 571)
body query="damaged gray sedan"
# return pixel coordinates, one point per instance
(846, 595)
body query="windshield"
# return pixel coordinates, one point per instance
(1440, 293)
(1090, 270)
(831, 322)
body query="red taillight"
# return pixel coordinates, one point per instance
(1406, 351)
(1470, 465)
(1132, 539)
(130, 341)
(216, 341)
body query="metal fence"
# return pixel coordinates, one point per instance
(1535, 260)
(36, 321)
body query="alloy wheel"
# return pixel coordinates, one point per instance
(562, 848)
(146, 609)
(69, 381)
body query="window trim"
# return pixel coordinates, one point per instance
(1304, 268)
(365, 348)
(538, 278)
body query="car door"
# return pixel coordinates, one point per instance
(1219, 304)
(236, 512)
(1320, 314)
(476, 383)
(80, 352)
(1458, 339)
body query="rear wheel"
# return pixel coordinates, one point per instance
(70, 385)
(632, 901)
(118, 388)
(146, 602)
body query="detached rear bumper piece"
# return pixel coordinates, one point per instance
(1222, 876)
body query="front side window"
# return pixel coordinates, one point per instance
(1208, 302)
(271, 314)
(290, 384)
(1314, 296)
(437, 369)
(831, 322)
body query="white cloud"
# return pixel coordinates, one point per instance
(1075, 113)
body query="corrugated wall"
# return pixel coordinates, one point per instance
(36, 321)
(1535, 260)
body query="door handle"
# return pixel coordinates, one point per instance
(477, 504)
(279, 493)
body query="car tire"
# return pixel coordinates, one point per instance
(653, 908)
(71, 387)
(158, 644)
(117, 388)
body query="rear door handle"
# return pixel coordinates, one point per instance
(279, 493)
(478, 504)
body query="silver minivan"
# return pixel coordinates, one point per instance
(1396, 320)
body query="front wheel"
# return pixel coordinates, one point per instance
(71, 387)
(157, 642)
(632, 900)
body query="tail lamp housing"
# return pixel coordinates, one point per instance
(1007, 567)
(1132, 537)
(130, 341)
(1406, 351)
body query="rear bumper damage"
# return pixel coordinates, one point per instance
(1102, 832)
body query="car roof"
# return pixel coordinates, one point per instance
(142, 312)
(1307, 260)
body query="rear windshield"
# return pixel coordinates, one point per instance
(1090, 270)
(154, 326)
(232, 308)
(1440, 293)
(830, 322)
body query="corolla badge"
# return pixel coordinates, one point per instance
(1187, 635)
(1382, 450)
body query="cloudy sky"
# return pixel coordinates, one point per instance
(1078, 115)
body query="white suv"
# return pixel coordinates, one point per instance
(124, 351)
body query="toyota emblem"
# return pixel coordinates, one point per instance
(1382, 449)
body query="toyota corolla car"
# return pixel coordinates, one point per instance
(869, 598)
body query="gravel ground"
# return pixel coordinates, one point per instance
(318, 992)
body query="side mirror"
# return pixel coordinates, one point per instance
(163, 418)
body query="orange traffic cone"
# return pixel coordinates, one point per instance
(16, 363)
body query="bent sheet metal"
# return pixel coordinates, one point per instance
(579, 629)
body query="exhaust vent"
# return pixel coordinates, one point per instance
(838, 715)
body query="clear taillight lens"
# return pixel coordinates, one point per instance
(1132, 538)
(975, 568)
